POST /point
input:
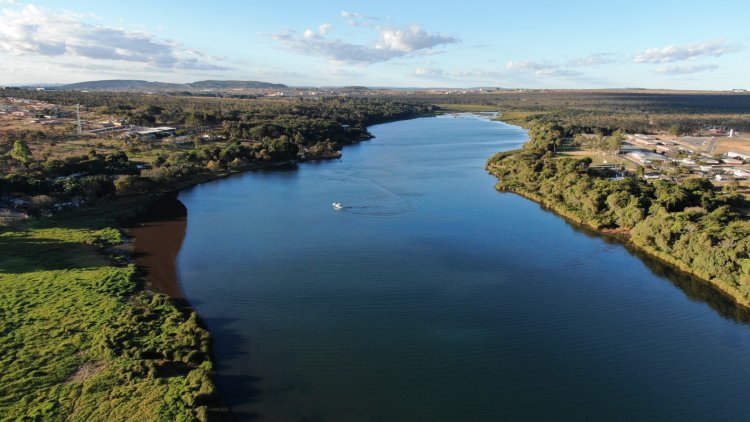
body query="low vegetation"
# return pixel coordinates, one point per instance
(80, 339)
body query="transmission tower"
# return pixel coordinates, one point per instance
(78, 117)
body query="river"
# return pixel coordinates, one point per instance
(432, 297)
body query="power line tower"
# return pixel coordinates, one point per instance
(78, 117)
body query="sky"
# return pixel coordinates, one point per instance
(688, 44)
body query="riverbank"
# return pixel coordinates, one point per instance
(83, 339)
(738, 297)
(615, 208)
(87, 334)
(157, 237)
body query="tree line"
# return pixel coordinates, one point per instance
(242, 133)
(693, 225)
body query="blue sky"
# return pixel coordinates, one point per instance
(534, 44)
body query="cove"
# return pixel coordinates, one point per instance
(431, 296)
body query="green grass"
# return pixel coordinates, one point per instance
(520, 118)
(80, 339)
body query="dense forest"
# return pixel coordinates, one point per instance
(692, 225)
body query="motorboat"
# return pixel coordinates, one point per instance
(337, 205)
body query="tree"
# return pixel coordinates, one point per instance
(676, 130)
(613, 142)
(131, 185)
(21, 152)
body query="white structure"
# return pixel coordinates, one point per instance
(156, 132)
(732, 154)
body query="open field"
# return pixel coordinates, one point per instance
(598, 158)
(741, 145)
(635, 111)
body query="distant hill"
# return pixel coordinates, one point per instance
(355, 88)
(138, 85)
(233, 84)
(121, 84)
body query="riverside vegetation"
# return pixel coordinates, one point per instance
(82, 337)
(692, 225)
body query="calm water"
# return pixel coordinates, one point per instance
(432, 297)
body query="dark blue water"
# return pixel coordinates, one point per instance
(432, 297)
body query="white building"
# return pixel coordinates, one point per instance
(733, 154)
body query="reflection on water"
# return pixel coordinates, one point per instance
(158, 235)
(694, 288)
(434, 297)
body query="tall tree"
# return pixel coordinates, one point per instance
(21, 152)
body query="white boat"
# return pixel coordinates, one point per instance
(337, 205)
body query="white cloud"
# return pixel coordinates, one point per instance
(33, 31)
(392, 42)
(347, 14)
(358, 19)
(429, 72)
(544, 69)
(324, 28)
(596, 59)
(473, 74)
(410, 39)
(711, 48)
(685, 69)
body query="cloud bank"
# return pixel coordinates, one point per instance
(33, 31)
(392, 42)
(669, 54)
(685, 69)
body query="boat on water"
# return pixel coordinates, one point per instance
(337, 205)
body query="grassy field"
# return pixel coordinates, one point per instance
(519, 118)
(741, 145)
(80, 339)
(598, 158)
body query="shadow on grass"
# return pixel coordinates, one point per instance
(22, 255)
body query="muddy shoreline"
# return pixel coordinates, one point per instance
(157, 236)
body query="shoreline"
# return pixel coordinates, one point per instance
(167, 258)
(623, 237)
(166, 278)
(157, 235)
